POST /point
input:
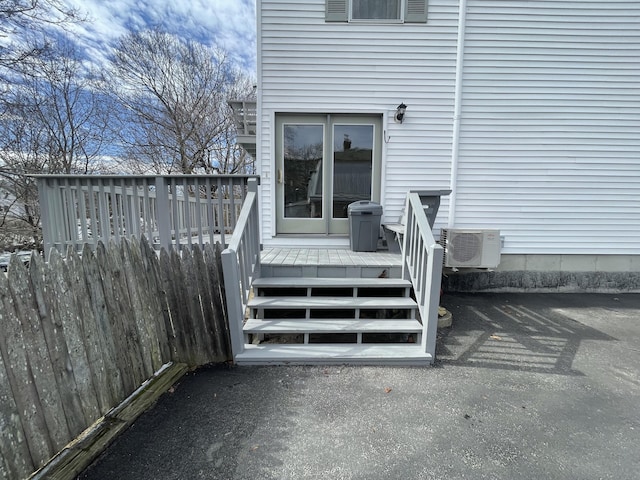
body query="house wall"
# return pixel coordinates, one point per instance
(549, 110)
(550, 118)
(308, 65)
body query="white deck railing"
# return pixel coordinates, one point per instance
(422, 265)
(170, 210)
(241, 264)
(244, 115)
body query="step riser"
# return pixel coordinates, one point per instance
(321, 271)
(330, 361)
(396, 355)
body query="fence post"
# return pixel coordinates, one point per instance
(46, 201)
(163, 213)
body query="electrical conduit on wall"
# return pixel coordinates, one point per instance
(457, 108)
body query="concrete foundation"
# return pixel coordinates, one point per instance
(550, 273)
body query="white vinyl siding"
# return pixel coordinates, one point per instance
(550, 125)
(310, 66)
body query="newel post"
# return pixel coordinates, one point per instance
(235, 313)
(47, 202)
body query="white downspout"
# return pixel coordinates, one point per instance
(457, 108)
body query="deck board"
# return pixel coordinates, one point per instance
(328, 257)
(332, 326)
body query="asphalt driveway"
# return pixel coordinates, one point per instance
(527, 386)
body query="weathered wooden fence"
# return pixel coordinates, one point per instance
(78, 335)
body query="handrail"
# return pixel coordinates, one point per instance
(422, 265)
(241, 265)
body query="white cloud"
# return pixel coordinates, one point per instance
(229, 24)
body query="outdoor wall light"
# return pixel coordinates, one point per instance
(399, 116)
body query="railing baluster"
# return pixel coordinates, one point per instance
(82, 212)
(198, 210)
(163, 212)
(69, 219)
(147, 223)
(210, 213)
(186, 210)
(104, 214)
(93, 213)
(45, 215)
(220, 224)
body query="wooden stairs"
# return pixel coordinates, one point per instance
(332, 320)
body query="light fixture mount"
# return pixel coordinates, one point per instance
(400, 110)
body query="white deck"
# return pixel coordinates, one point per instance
(328, 257)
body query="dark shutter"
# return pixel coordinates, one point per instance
(337, 11)
(415, 11)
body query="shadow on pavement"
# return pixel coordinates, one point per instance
(525, 332)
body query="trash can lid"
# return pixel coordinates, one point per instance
(365, 207)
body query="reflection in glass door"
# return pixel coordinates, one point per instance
(352, 166)
(302, 168)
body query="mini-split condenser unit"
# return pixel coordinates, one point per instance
(470, 248)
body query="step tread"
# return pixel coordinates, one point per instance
(324, 354)
(332, 302)
(322, 282)
(332, 326)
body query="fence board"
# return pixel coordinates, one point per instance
(157, 297)
(199, 353)
(65, 313)
(138, 315)
(37, 356)
(98, 339)
(145, 282)
(215, 282)
(15, 460)
(172, 281)
(21, 379)
(49, 298)
(125, 338)
(200, 276)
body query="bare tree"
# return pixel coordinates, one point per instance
(175, 92)
(54, 121)
(21, 21)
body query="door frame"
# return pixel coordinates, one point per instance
(326, 225)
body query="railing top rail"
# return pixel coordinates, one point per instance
(249, 102)
(243, 219)
(125, 177)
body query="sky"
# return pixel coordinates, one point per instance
(229, 24)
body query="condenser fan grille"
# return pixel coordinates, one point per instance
(470, 248)
(464, 247)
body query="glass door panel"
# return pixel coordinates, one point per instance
(302, 166)
(352, 166)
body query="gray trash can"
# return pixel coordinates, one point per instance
(364, 225)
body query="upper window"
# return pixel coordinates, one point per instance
(376, 10)
(408, 11)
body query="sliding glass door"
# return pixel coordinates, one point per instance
(324, 163)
